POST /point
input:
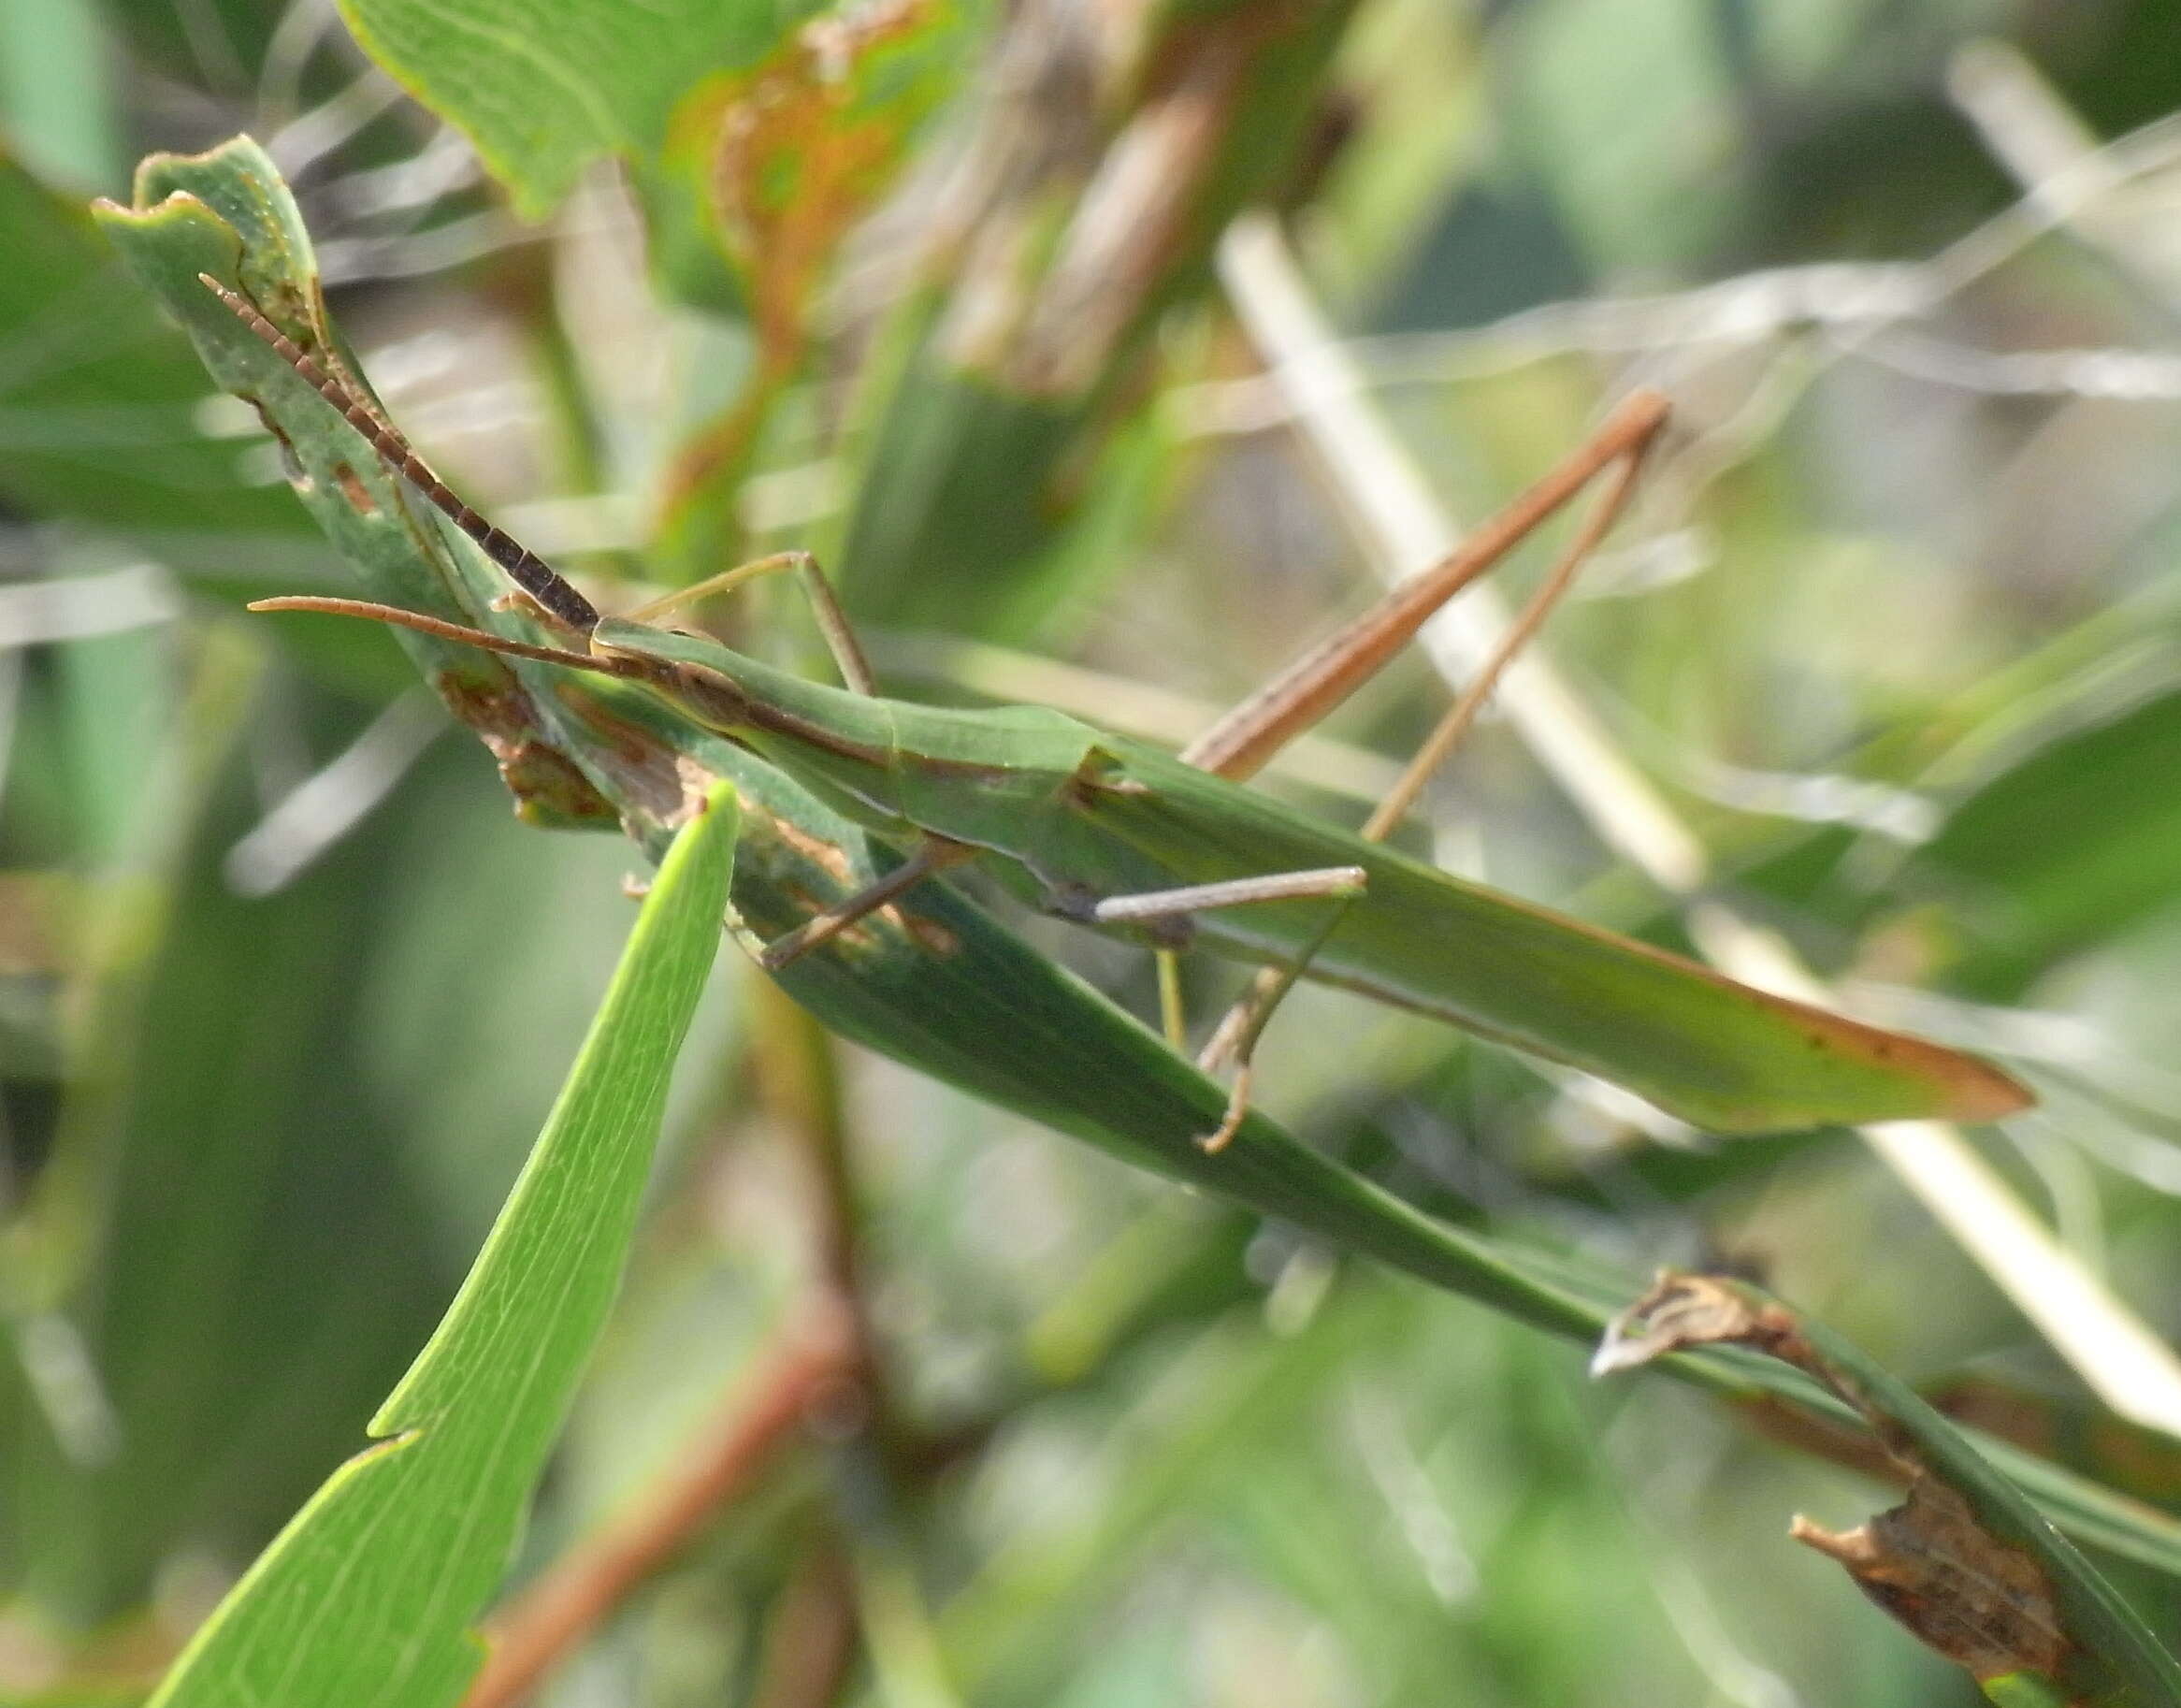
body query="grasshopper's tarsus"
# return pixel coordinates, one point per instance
(1238, 1111)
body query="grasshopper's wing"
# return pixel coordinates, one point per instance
(1698, 1045)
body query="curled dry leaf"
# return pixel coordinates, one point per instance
(1983, 1603)
(1683, 1311)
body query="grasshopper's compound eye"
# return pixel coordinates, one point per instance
(710, 697)
(728, 702)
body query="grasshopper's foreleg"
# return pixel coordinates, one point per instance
(935, 854)
(825, 606)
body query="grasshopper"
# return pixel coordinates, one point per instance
(1118, 834)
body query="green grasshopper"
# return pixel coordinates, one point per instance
(1116, 834)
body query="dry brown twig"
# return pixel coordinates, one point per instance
(808, 1370)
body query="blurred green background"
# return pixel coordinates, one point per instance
(284, 991)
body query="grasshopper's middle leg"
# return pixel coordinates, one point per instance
(832, 620)
(933, 855)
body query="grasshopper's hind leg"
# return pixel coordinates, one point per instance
(1621, 448)
(1152, 906)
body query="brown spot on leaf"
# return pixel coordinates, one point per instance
(800, 147)
(1100, 773)
(1821, 1436)
(2138, 1460)
(628, 740)
(697, 784)
(650, 779)
(931, 936)
(828, 856)
(550, 791)
(353, 489)
(792, 151)
(866, 935)
(40, 912)
(641, 782)
(292, 468)
(490, 700)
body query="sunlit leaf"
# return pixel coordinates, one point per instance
(370, 1593)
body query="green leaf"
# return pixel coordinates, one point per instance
(57, 92)
(959, 478)
(223, 1221)
(2063, 848)
(1001, 404)
(1620, 106)
(369, 1594)
(544, 90)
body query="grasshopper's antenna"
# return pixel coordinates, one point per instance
(531, 572)
(605, 665)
